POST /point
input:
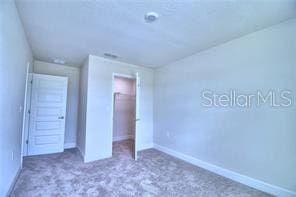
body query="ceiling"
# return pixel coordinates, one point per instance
(72, 29)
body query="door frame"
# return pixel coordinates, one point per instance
(26, 118)
(129, 76)
(26, 115)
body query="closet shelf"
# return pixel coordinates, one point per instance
(119, 93)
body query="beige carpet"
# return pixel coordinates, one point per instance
(154, 174)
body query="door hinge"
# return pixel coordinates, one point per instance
(27, 141)
(29, 111)
(31, 81)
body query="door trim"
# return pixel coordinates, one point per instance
(26, 116)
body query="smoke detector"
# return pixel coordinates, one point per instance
(150, 17)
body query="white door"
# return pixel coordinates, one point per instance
(47, 114)
(137, 116)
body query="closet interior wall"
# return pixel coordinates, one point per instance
(124, 109)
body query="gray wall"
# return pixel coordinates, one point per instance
(73, 95)
(82, 107)
(258, 142)
(15, 53)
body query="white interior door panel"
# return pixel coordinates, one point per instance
(47, 114)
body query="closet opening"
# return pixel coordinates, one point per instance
(124, 117)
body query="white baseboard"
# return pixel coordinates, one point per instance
(146, 146)
(257, 184)
(14, 181)
(122, 137)
(81, 153)
(69, 145)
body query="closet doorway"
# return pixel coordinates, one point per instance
(125, 115)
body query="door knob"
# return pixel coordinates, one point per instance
(61, 117)
(137, 119)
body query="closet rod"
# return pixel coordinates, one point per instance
(119, 93)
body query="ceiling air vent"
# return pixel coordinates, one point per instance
(58, 61)
(109, 55)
